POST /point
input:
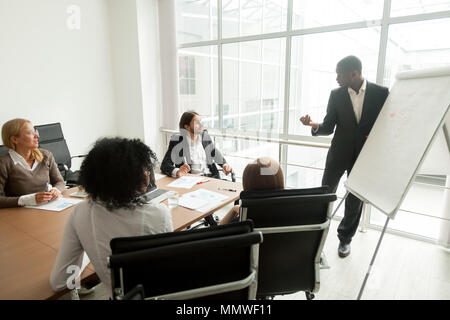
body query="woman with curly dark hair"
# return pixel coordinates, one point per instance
(115, 173)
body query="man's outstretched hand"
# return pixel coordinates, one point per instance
(306, 121)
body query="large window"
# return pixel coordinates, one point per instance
(243, 18)
(313, 65)
(253, 98)
(317, 13)
(199, 82)
(253, 67)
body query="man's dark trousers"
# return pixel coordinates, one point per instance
(353, 206)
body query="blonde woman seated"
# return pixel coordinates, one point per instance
(261, 174)
(28, 175)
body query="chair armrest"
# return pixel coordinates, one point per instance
(137, 293)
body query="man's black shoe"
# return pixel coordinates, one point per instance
(344, 249)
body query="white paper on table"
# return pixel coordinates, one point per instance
(79, 194)
(191, 203)
(208, 207)
(209, 198)
(57, 204)
(159, 176)
(85, 262)
(186, 182)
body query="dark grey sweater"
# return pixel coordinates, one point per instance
(16, 181)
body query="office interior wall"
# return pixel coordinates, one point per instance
(126, 73)
(52, 73)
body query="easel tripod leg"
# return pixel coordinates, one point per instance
(339, 205)
(373, 260)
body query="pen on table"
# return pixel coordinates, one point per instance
(203, 181)
(226, 189)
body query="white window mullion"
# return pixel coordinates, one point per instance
(383, 42)
(287, 72)
(220, 64)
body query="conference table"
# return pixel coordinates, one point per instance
(30, 239)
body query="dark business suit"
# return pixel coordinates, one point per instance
(180, 143)
(348, 140)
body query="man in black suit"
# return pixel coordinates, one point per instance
(192, 151)
(352, 109)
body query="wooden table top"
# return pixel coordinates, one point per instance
(30, 239)
(183, 217)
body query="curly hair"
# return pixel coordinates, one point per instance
(113, 172)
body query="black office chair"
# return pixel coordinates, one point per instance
(137, 293)
(295, 224)
(52, 139)
(3, 150)
(215, 263)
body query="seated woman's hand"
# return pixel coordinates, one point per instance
(43, 197)
(230, 216)
(235, 210)
(227, 169)
(184, 170)
(55, 194)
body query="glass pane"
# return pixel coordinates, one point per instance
(307, 156)
(239, 153)
(408, 222)
(423, 199)
(410, 7)
(298, 177)
(196, 20)
(199, 83)
(416, 45)
(250, 17)
(313, 69)
(253, 85)
(312, 13)
(305, 170)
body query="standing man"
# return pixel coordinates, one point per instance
(352, 109)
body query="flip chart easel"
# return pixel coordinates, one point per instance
(411, 130)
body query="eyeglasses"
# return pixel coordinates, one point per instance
(33, 132)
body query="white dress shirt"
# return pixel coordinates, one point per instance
(29, 199)
(198, 158)
(358, 99)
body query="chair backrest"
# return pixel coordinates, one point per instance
(212, 263)
(52, 139)
(294, 223)
(3, 150)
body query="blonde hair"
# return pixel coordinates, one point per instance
(13, 128)
(263, 174)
